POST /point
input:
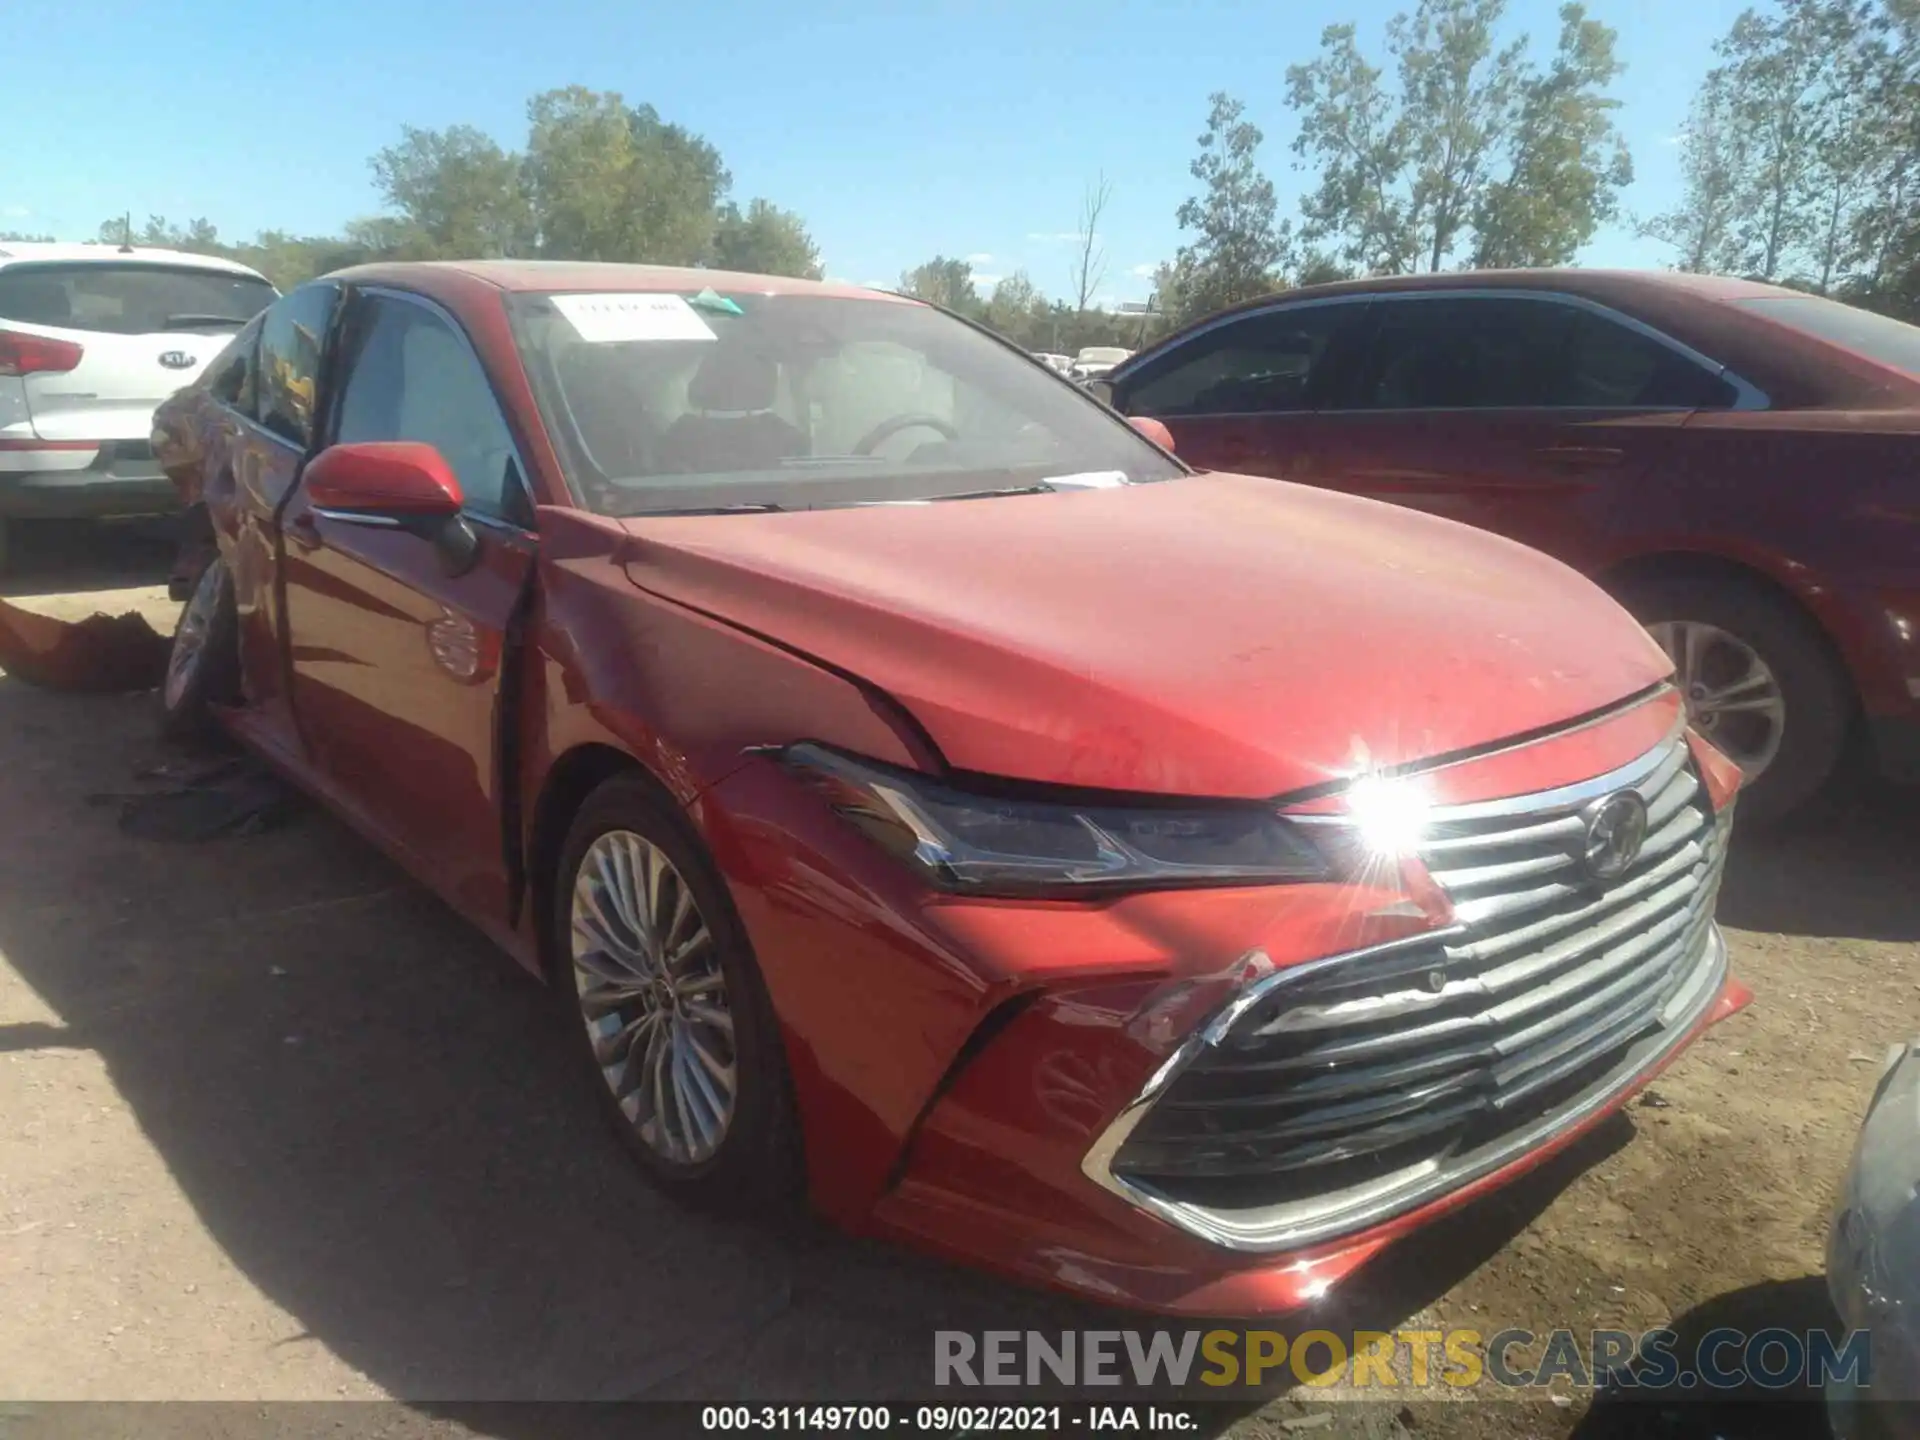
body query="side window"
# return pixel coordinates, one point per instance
(230, 374)
(412, 377)
(1262, 363)
(288, 368)
(1610, 364)
(1485, 353)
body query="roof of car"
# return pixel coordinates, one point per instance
(1794, 370)
(14, 252)
(594, 275)
(1594, 284)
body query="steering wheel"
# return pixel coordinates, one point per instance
(887, 429)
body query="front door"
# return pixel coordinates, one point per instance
(396, 660)
(1531, 416)
(1244, 394)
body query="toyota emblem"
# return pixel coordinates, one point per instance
(1616, 828)
(177, 360)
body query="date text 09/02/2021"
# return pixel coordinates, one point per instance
(948, 1419)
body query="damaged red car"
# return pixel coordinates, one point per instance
(927, 795)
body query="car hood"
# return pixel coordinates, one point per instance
(1208, 635)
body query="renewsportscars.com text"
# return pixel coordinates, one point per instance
(1725, 1359)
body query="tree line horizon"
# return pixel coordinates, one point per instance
(1442, 149)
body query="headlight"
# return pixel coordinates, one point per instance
(996, 845)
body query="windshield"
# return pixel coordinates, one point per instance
(131, 298)
(1877, 337)
(701, 402)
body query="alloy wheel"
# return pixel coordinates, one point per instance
(190, 640)
(1733, 697)
(654, 997)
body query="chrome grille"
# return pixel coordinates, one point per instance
(1395, 1073)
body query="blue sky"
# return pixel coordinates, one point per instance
(898, 128)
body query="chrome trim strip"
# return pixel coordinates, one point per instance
(1654, 768)
(358, 517)
(1427, 1181)
(1566, 797)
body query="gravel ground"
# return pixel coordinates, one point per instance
(274, 1126)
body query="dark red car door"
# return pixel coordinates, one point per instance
(396, 656)
(1244, 394)
(1537, 417)
(267, 430)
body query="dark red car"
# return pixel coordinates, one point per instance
(922, 791)
(1739, 464)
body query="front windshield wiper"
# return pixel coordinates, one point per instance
(742, 509)
(1041, 489)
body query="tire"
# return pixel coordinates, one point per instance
(1816, 699)
(203, 669)
(754, 1163)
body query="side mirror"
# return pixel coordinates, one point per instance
(399, 479)
(398, 483)
(1158, 433)
(1101, 390)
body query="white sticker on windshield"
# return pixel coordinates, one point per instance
(1089, 480)
(612, 319)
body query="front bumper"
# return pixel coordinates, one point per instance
(971, 1073)
(120, 480)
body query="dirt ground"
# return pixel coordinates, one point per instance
(274, 1125)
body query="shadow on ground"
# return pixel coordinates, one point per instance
(1844, 869)
(1752, 1413)
(64, 557)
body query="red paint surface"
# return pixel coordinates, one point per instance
(1212, 636)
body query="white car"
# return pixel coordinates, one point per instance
(1098, 360)
(92, 338)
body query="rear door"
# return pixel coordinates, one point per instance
(1243, 394)
(1540, 417)
(144, 329)
(396, 664)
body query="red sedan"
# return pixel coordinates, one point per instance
(924, 793)
(1739, 464)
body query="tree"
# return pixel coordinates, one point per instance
(1238, 245)
(943, 282)
(764, 240)
(1713, 162)
(23, 238)
(1090, 264)
(1018, 310)
(1468, 148)
(458, 191)
(608, 183)
(198, 237)
(1803, 147)
(1568, 162)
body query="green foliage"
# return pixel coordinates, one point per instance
(1467, 148)
(1238, 247)
(459, 193)
(764, 240)
(941, 281)
(1802, 153)
(598, 180)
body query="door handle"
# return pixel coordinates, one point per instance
(1581, 457)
